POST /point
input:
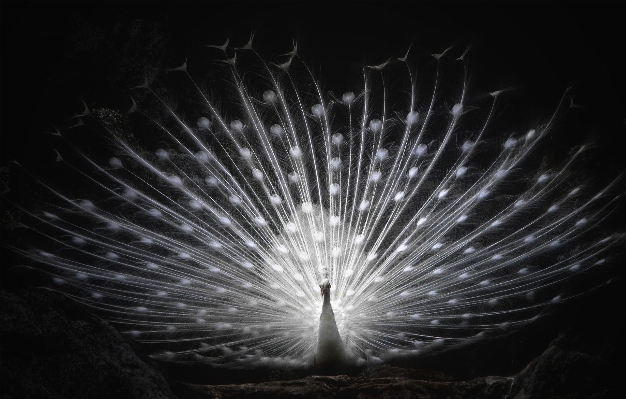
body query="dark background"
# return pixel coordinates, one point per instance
(54, 54)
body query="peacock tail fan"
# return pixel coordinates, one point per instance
(229, 192)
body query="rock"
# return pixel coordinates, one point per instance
(365, 387)
(570, 368)
(53, 347)
(586, 358)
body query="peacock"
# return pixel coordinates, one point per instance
(209, 213)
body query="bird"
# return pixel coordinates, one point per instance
(214, 218)
(331, 351)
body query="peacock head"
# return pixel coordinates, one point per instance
(325, 288)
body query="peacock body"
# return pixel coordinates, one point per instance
(207, 231)
(331, 351)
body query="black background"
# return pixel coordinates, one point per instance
(54, 54)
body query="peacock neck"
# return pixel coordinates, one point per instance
(327, 298)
